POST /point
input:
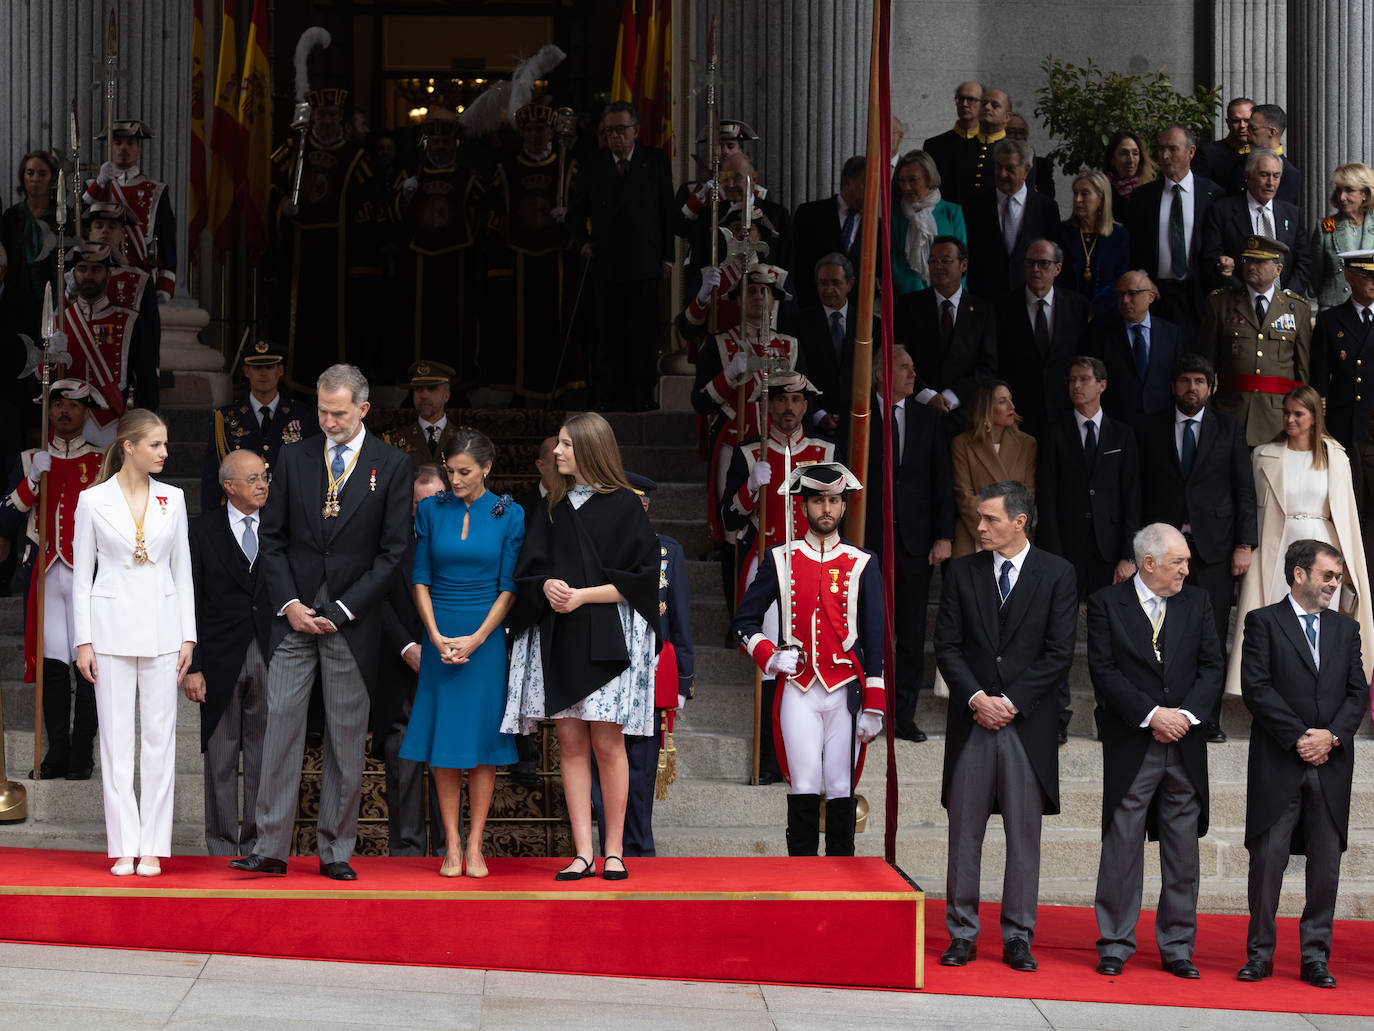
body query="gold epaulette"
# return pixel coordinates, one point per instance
(221, 441)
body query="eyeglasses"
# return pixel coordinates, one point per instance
(1134, 293)
(1325, 576)
(252, 481)
(1040, 263)
(961, 98)
(618, 130)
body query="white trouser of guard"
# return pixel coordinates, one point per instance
(816, 733)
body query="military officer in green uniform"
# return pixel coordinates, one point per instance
(265, 421)
(425, 437)
(1259, 337)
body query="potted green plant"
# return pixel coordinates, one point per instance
(1082, 105)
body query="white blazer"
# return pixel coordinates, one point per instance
(124, 607)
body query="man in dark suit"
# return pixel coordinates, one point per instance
(621, 212)
(1341, 343)
(1219, 160)
(1042, 170)
(1156, 666)
(334, 534)
(1002, 223)
(950, 334)
(1232, 221)
(1004, 642)
(1195, 475)
(1267, 124)
(825, 337)
(1040, 327)
(922, 517)
(952, 150)
(263, 422)
(1140, 350)
(228, 672)
(1166, 229)
(823, 227)
(1303, 681)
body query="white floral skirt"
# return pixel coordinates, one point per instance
(627, 699)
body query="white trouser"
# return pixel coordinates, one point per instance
(816, 733)
(100, 436)
(141, 827)
(59, 614)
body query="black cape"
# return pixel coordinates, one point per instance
(608, 540)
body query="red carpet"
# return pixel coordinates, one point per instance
(1065, 948)
(693, 919)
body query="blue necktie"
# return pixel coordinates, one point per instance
(249, 540)
(1185, 458)
(1004, 581)
(847, 233)
(336, 467)
(1311, 621)
(1141, 347)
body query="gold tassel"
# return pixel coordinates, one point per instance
(663, 779)
(672, 759)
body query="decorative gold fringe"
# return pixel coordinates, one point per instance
(667, 758)
(661, 781)
(672, 759)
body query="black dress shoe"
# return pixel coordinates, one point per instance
(1064, 736)
(339, 871)
(1254, 970)
(769, 776)
(1180, 968)
(259, 864)
(1016, 954)
(960, 952)
(1214, 734)
(910, 732)
(79, 772)
(1109, 966)
(1317, 975)
(51, 770)
(576, 873)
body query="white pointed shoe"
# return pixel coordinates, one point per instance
(149, 866)
(124, 866)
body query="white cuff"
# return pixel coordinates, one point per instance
(951, 397)
(1191, 718)
(407, 648)
(350, 615)
(282, 611)
(974, 697)
(924, 397)
(1148, 717)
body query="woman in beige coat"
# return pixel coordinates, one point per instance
(991, 449)
(1303, 490)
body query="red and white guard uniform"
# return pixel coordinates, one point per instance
(836, 619)
(99, 335)
(75, 466)
(144, 246)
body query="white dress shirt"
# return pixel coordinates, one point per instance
(1166, 208)
(257, 406)
(1017, 561)
(925, 396)
(1148, 598)
(1268, 296)
(1315, 649)
(1257, 209)
(237, 518)
(1083, 420)
(441, 425)
(1180, 422)
(1033, 307)
(1010, 213)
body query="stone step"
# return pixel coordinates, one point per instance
(188, 837)
(678, 428)
(666, 463)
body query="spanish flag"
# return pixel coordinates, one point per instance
(196, 204)
(224, 148)
(255, 133)
(626, 55)
(654, 81)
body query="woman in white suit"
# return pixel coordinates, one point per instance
(1303, 490)
(135, 630)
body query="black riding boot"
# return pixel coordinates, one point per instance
(839, 826)
(803, 825)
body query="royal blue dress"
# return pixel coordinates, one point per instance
(456, 719)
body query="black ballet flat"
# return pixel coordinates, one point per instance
(588, 870)
(614, 875)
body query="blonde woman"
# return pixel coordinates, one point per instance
(1351, 228)
(1097, 250)
(1303, 491)
(135, 619)
(586, 629)
(992, 448)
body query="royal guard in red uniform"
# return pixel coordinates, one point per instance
(438, 207)
(751, 471)
(109, 222)
(717, 283)
(72, 465)
(320, 236)
(529, 293)
(723, 365)
(829, 654)
(107, 351)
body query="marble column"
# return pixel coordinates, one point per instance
(797, 73)
(1333, 98)
(1250, 52)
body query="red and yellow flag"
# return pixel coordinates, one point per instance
(196, 204)
(653, 83)
(626, 55)
(255, 132)
(224, 149)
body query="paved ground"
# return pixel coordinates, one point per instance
(111, 990)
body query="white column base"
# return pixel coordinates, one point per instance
(197, 369)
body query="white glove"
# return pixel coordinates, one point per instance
(408, 188)
(704, 190)
(870, 725)
(163, 297)
(681, 702)
(710, 279)
(108, 174)
(71, 283)
(559, 215)
(289, 209)
(57, 342)
(42, 462)
(784, 660)
(760, 476)
(737, 369)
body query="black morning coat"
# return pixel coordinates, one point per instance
(608, 540)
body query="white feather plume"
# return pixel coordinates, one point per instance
(499, 102)
(311, 38)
